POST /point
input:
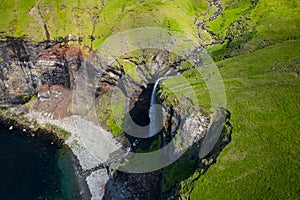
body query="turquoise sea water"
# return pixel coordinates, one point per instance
(37, 168)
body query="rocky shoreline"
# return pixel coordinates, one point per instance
(30, 128)
(86, 165)
(97, 177)
(21, 123)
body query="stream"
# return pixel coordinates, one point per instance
(201, 25)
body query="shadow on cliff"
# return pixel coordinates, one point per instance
(146, 186)
(139, 114)
(181, 175)
(164, 183)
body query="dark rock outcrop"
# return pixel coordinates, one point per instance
(127, 186)
(26, 66)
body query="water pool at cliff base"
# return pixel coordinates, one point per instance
(37, 168)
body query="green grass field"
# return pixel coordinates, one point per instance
(99, 19)
(262, 160)
(259, 63)
(263, 93)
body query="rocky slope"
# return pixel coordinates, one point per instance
(41, 78)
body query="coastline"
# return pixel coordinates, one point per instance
(90, 149)
(91, 185)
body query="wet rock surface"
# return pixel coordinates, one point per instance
(133, 186)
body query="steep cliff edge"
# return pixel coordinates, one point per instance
(41, 78)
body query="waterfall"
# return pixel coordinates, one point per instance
(153, 95)
(155, 113)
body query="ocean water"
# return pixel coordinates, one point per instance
(35, 168)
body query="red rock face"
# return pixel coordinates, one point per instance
(103, 87)
(53, 101)
(61, 51)
(27, 68)
(44, 88)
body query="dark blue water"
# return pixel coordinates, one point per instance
(37, 168)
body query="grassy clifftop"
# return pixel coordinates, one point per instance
(259, 62)
(254, 24)
(262, 159)
(93, 21)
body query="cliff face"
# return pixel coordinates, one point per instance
(44, 76)
(47, 71)
(26, 67)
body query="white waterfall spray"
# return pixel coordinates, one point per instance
(155, 109)
(153, 95)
